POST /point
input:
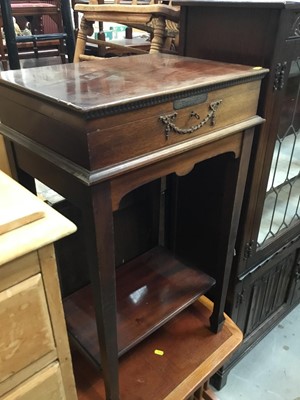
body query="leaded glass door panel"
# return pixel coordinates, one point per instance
(282, 203)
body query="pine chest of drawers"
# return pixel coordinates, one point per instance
(35, 361)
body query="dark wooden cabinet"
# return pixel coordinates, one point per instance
(264, 283)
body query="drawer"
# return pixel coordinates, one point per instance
(112, 139)
(101, 114)
(26, 333)
(18, 270)
(45, 385)
(145, 131)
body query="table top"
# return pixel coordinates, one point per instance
(116, 82)
(104, 114)
(35, 224)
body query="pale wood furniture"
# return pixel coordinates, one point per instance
(150, 15)
(265, 283)
(124, 44)
(114, 143)
(34, 350)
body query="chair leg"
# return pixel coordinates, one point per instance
(35, 49)
(68, 28)
(4, 63)
(158, 35)
(10, 36)
(86, 29)
(3, 59)
(101, 49)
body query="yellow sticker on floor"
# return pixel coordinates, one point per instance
(159, 352)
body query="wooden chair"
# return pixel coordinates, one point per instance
(34, 12)
(152, 16)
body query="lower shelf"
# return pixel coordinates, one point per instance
(192, 353)
(151, 289)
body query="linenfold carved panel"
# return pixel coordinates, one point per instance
(268, 293)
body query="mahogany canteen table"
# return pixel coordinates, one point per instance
(97, 131)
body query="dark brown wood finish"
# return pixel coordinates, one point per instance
(264, 34)
(62, 130)
(71, 104)
(159, 287)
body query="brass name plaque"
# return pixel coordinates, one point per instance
(189, 101)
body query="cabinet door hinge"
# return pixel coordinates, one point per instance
(279, 76)
(248, 251)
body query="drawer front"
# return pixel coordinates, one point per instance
(145, 131)
(45, 385)
(106, 140)
(26, 333)
(18, 270)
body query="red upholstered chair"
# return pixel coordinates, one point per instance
(36, 11)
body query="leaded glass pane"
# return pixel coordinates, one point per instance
(282, 203)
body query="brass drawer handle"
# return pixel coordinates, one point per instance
(170, 125)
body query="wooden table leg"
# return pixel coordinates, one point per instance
(230, 220)
(99, 237)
